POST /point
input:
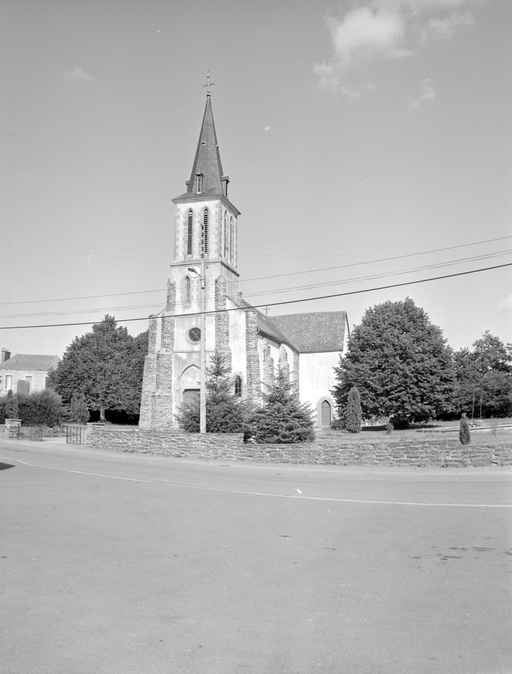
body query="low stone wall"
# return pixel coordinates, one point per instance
(10, 429)
(326, 451)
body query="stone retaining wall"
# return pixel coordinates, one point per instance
(326, 451)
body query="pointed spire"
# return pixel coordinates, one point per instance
(207, 178)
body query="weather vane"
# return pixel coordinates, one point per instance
(208, 84)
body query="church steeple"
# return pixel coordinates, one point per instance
(207, 178)
(206, 221)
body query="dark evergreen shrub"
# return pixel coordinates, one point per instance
(464, 433)
(225, 411)
(353, 413)
(282, 419)
(42, 408)
(11, 406)
(78, 412)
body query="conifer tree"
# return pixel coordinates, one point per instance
(79, 412)
(11, 406)
(282, 418)
(464, 434)
(225, 412)
(353, 413)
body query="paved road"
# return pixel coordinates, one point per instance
(135, 564)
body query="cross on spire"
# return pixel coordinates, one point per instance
(208, 84)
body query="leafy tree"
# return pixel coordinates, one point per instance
(484, 378)
(282, 418)
(464, 433)
(225, 412)
(78, 412)
(41, 408)
(400, 364)
(353, 413)
(105, 366)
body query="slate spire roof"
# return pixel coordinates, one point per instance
(206, 178)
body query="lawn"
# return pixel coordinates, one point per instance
(486, 431)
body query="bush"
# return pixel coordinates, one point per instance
(42, 408)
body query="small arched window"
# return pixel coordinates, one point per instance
(187, 294)
(190, 231)
(238, 386)
(199, 183)
(205, 232)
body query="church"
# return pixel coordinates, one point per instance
(205, 311)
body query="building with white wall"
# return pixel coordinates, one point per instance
(25, 373)
(204, 283)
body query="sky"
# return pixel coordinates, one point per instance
(368, 145)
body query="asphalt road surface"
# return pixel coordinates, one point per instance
(132, 564)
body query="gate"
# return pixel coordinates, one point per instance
(76, 434)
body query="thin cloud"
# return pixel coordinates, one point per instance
(427, 94)
(78, 75)
(506, 305)
(443, 29)
(376, 30)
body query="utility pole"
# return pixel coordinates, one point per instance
(202, 381)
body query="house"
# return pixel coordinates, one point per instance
(25, 373)
(203, 295)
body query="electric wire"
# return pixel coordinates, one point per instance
(273, 304)
(272, 276)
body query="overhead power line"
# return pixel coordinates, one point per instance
(274, 304)
(271, 276)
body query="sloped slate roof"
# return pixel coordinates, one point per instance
(23, 361)
(317, 332)
(265, 326)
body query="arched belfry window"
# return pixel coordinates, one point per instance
(225, 234)
(232, 240)
(238, 386)
(199, 183)
(204, 231)
(190, 231)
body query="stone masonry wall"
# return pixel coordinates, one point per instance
(231, 447)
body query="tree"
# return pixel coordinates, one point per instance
(78, 412)
(464, 433)
(400, 364)
(353, 413)
(282, 418)
(105, 366)
(225, 412)
(484, 378)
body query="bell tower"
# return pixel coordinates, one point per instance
(203, 278)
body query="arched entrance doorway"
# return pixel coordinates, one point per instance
(325, 414)
(190, 384)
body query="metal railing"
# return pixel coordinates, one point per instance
(76, 434)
